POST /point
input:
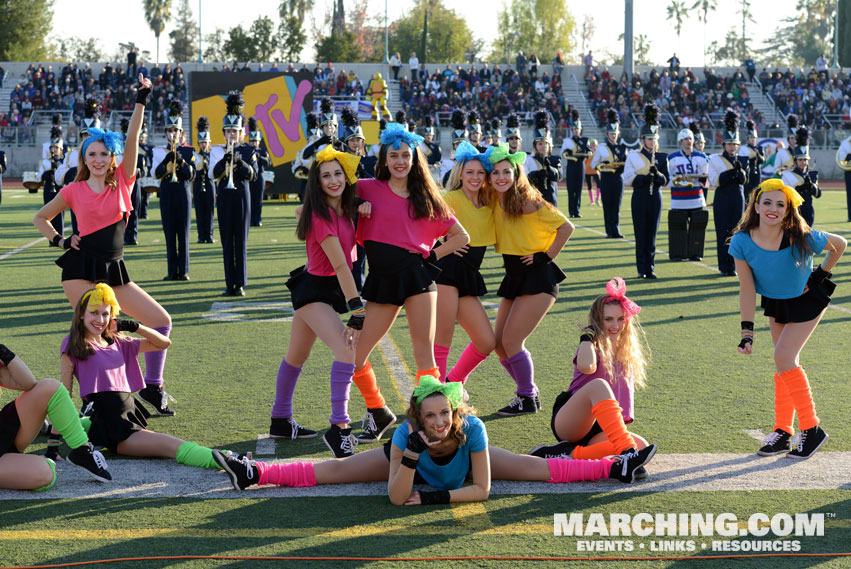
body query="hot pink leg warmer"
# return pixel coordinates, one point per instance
(293, 474)
(469, 360)
(568, 470)
(441, 356)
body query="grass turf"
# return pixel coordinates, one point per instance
(701, 397)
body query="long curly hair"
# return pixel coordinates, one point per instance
(424, 199)
(626, 357)
(77, 346)
(315, 203)
(793, 226)
(456, 431)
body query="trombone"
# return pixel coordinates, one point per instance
(609, 167)
(229, 167)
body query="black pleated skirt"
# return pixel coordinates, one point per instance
(100, 258)
(306, 288)
(802, 308)
(523, 279)
(116, 416)
(10, 424)
(396, 274)
(463, 272)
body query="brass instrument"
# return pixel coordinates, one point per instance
(576, 156)
(686, 180)
(229, 167)
(173, 149)
(610, 167)
(844, 165)
(301, 173)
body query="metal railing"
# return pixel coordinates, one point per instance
(18, 135)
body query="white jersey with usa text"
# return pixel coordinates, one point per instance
(683, 196)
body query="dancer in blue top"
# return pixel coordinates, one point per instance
(773, 248)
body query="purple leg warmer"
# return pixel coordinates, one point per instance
(341, 382)
(524, 373)
(155, 361)
(284, 389)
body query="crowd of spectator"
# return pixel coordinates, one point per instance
(682, 97)
(811, 95)
(492, 91)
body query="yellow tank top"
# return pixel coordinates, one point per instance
(477, 221)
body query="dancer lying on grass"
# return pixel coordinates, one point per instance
(442, 444)
(106, 365)
(22, 419)
(590, 417)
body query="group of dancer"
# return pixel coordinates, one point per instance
(424, 250)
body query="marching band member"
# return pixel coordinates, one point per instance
(232, 168)
(512, 133)
(646, 170)
(609, 160)
(804, 180)
(783, 160)
(203, 191)
(146, 151)
(700, 146)
(575, 149)
(46, 171)
(55, 122)
(687, 218)
(542, 168)
(174, 167)
(756, 157)
(258, 184)
(431, 149)
(2, 170)
(301, 165)
(474, 131)
(843, 160)
(487, 135)
(327, 131)
(459, 135)
(354, 139)
(728, 173)
(131, 232)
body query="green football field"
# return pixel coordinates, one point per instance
(702, 398)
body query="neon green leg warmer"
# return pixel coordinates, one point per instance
(193, 455)
(53, 468)
(66, 419)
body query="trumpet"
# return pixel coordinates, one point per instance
(173, 148)
(686, 180)
(844, 165)
(576, 156)
(229, 167)
(609, 167)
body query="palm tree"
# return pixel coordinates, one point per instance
(157, 13)
(295, 8)
(676, 11)
(704, 7)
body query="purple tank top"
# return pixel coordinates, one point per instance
(623, 388)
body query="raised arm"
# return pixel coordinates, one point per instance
(131, 145)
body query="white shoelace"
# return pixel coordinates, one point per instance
(294, 427)
(100, 461)
(348, 444)
(246, 461)
(771, 438)
(798, 440)
(165, 399)
(624, 459)
(516, 402)
(367, 422)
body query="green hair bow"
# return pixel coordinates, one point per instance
(499, 153)
(429, 385)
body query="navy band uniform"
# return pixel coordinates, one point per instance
(257, 186)
(203, 190)
(612, 151)
(575, 150)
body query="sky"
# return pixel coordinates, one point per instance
(72, 18)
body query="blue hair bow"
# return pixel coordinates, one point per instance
(394, 134)
(466, 152)
(112, 140)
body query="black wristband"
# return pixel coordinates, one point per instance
(409, 462)
(436, 497)
(586, 337)
(819, 275)
(355, 322)
(541, 258)
(56, 239)
(6, 355)
(142, 96)
(416, 443)
(126, 325)
(747, 325)
(66, 243)
(355, 303)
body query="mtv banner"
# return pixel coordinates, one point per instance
(280, 103)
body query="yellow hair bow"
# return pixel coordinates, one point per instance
(775, 184)
(349, 162)
(102, 294)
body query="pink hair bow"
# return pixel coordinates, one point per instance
(616, 289)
